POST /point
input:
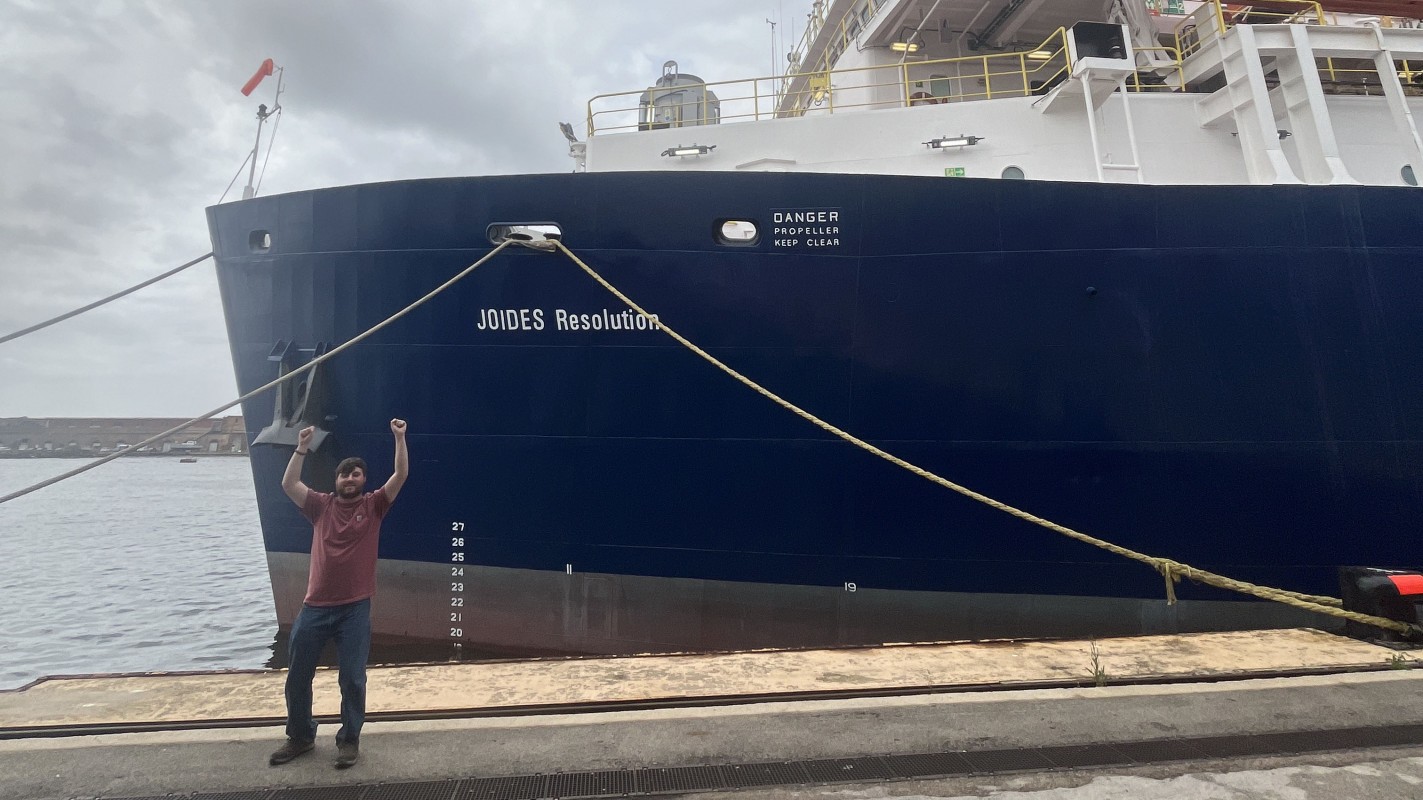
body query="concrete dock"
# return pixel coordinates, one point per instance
(1173, 706)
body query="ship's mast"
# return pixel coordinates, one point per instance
(249, 191)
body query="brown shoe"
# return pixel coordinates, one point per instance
(346, 754)
(291, 749)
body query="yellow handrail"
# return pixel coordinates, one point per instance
(1020, 73)
(1175, 63)
(1366, 77)
(1056, 58)
(1221, 22)
(1307, 8)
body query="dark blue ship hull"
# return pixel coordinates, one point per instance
(1227, 376)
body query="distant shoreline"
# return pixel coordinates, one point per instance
(91, 437)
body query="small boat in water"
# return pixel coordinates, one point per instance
(1154, 276)
(188, 460)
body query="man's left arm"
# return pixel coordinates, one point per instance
(402, 461)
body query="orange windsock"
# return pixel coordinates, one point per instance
(263, 71)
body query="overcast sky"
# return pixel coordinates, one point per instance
(121, 121)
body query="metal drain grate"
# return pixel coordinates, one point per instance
(1007, 760)
(1298, 742)
(928, 765)
(1076, 756)
(521, 787)
(841, 770)
(1235, 746)
(1308, 741)
(1389, 736)
(1151, 752)
(683, 780)
(321, 793)
(776, 774)
(614, 783)
(676, 780)
(429, 790)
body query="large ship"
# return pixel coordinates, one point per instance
(1148, 269)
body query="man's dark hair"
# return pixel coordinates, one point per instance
(351, 465)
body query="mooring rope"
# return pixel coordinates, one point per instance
(310, 365)
(76, 312)
(1171, 571)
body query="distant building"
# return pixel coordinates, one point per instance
(87, 436)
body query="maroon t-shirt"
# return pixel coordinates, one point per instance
(344, 544)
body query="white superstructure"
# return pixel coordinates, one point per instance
(1277, 93)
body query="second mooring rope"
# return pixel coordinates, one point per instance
(307, 367)
(76, 312)
(1171, 571)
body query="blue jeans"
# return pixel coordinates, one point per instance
(350, 626)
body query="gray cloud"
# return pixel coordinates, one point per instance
(123, 121)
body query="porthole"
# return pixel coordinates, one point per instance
(1013, 174)
(737, 231)
(1408, 176)
(259, 242)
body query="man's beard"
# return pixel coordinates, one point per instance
(349, 491)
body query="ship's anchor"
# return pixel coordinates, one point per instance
(299, 404)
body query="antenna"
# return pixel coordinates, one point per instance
(773, 46)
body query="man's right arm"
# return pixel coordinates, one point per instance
(291, 479)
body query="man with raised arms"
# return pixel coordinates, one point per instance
(344, 545)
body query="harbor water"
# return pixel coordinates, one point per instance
(144, 564)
